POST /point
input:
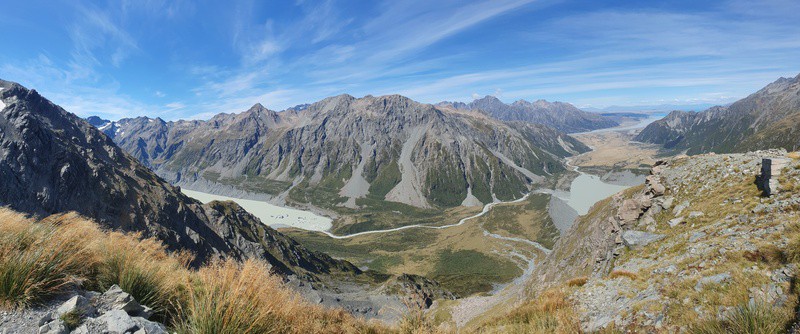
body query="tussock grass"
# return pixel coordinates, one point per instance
(623, 273)
(550, 312)
(577, 281)
(227, 297)
(40, 259)
(746, 319)
(416, 321)
(72, 319)
(142, 268)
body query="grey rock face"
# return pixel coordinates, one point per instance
(638, 238)
(386, 148)
(55, 327)
(562, 116)
(764, 120)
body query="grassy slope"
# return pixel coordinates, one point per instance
(777, 248)
(40, 259)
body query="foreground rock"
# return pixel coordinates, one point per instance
(114, 312)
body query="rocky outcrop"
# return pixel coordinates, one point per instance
(114, 311)
(764, 120)
(562, 116)
(52, 161)
(589, 247)
(426, 290)
(696, 243)
(344, 150)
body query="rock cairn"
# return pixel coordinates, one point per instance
(770, 168)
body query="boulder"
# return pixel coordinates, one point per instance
(654, 186)
(78, 304)
(713, 279)
(676, 221)
(638, 238)
(680, 207)
(117, 321)
(116, 299)
(149, 327)
(54, 327)
(666, 202)
(631, 209)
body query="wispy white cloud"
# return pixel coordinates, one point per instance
(427, 50)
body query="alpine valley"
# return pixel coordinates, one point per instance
(153, 178)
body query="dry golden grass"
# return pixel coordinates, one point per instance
(417, 321)
(794, 155)
(550, 312)
(769, 254)
(40, 259)
(623, 273)
(746, 319)
(577, 281)
(229, 297)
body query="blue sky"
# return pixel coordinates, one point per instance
(193, 59)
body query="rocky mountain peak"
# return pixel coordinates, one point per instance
(562, 116)
(257, 108)
(487, 100)
(763, 120)
(97, 121)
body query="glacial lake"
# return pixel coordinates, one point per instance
(270, 214)
(586, 190)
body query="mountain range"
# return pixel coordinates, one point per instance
(769, 118)
(52, 161)
(352, 152)
(559, 115)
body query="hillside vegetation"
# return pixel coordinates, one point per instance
(63, 253)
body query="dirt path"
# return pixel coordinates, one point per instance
(485, 210)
